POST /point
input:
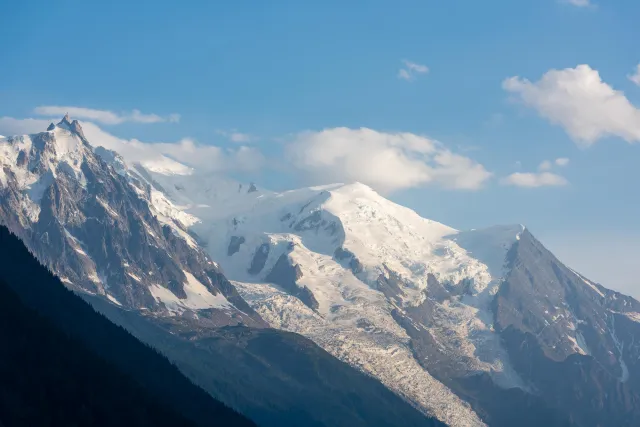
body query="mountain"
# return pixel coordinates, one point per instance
(96, 227)
(63, 364)
(457, 322)
(107, 229)
(477, 327)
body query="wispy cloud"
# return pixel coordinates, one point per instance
(546, 165)
(234, 136)
(411, 70)
(578, 100)
(10, 126)
(181, 155)
(533, 180)
(104, 116)
(543, 178)
(580, 3)
(635, 77)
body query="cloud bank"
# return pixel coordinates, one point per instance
(385, 161)
(177, 157)
(581, 102)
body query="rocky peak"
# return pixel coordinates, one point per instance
(65, 120)
(68, 124)
(93, 222)
(75, 127)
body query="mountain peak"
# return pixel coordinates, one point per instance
(66, 123)
(66, 120)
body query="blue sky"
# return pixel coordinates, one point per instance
(274, 75)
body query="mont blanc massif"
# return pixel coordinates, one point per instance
(320, 306)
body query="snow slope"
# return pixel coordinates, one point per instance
(326, 231)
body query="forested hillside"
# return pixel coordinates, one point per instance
(63, 364)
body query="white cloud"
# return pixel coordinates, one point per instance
(548, 164)
(235, 136)
(635, 78)
(206, 158)
(385, 161)
(532, 180)
(580, 3)
(411, 70)
(578, 100)
(104, 116)
(404, 75)
(10, 126)
(545, 165)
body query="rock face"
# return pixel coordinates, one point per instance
(259, 259)
(234, 245)
(93, 222)
(567, 337)
(286, 276)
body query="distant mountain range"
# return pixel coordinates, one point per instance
(479, 327)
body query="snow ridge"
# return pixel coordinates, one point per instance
(345, 239)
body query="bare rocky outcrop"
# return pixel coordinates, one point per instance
(90, 221)
(286, 275)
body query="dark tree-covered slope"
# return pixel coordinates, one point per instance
(50, 374)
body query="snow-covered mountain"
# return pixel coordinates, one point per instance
(454, 321)
(478, 327)
(106, 229)
(100, 227)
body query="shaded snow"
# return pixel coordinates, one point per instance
(633, 316)
(106, 206)
(198, 297)
(582, 343)
(309, 224)
(624, 376)
(134, 277)
(113, 300)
